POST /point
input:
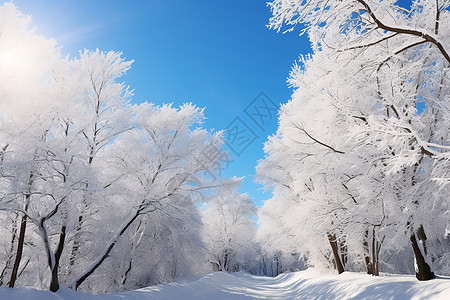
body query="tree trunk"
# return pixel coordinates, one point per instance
(367, 252)
(337, 257)
(76, 239)
(263, 264)
(81, 278)
(127, 271)
(375, 251)
(278, 265)
(368, 265)
(422, 238)
(54, 284)
(20, 243)
(423, 270)
(216, 266)
(372, 252)
(11, 251)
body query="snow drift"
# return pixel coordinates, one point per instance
(308, 284)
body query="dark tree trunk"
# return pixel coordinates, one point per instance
(367, 252)
(423, 238)
(21, 240)
(78, 281)
(54, 284)
(368, 265)
(375, 251)
(423, 271)
(372, 252)
(20, 243)
(225, 261)
(216, 266)
(337, 257)
(11, 251)
(278, 266)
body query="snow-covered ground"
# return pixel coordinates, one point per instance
(308, 284)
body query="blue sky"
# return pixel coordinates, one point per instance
(216, 54)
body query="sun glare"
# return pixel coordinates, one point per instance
(8, 58)
(9, 63)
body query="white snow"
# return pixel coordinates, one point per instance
(309, 284)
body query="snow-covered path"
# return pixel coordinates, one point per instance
(301, 285)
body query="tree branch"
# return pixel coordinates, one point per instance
(423, 35)
(438, 14)
(317, 141)
(370, 44)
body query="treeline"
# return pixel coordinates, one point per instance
(96, 192)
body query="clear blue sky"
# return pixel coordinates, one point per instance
(216, 54)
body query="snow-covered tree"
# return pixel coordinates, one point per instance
(103, 181)
(102, 113)
(229, 231)
(27, 119)
(353, 153)
(159, 175)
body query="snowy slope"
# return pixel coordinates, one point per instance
(308, 284)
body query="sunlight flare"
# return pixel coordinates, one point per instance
(8, 58)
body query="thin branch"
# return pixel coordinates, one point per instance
(370, 44)
(317, 141)
(438, 146)
(400, 51)
(364, 119)
(349, 193)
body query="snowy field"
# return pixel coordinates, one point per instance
(301, 285)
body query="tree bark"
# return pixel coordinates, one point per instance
(423, 270)
(367, 252)
(11, 250)
(422, 238)
(54, 284)
(337, 257)
(20, 243)
(374, 255)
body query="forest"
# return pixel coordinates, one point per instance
(103, 195)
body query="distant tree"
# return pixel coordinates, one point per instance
(229, 231)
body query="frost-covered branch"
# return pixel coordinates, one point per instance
(94, 265)
(316, 140)
(408, 31)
